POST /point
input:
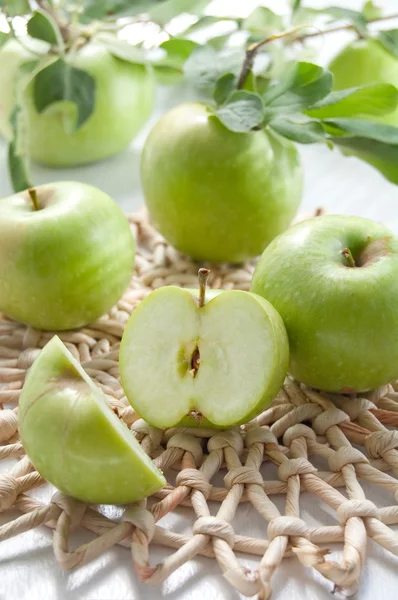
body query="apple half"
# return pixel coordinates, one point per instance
(73, 437)
(183, 361)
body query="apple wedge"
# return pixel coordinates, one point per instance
(75, 440)
(218, 363)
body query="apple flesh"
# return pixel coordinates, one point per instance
(74, 439)
(67, 263)
(334, 281)
(219, 364)
(360, 63)
(124, 100)
(214, 194)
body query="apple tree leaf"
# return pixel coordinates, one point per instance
(178, 50)
(205, 65)
(263, 20)
(381, 155)
(302, 85)
(303, 132)
(61, 82)
(371, 11)
(164, 11)
(358, 19)
(389, 39)
(374, 99)
(18, 169)
(43, 27)
(15, 8)
(367, 129)
(225, 86)
(122, 49)
(242, 112)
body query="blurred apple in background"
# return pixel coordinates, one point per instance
(124, 96)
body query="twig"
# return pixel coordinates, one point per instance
(252, 50)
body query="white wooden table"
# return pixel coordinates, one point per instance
(28, 570)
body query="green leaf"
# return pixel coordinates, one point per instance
(205, 65)
(243, 111)
(352, 16)
(369, 129)
(15, 8)
(122, 49)
(303, 132)
(302, 85)
(98, 9)
(178, 51)
(389, 39)
(225, 86)
(61, 82)
(263, 20)
(29, 66)
(295, 5)
(3, 38)
(163, 12)
(371, 11)
(17, 163)
(383, 156)
(374, 99)
(43, 27)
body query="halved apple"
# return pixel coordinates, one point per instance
(218, 363)
(75, 440)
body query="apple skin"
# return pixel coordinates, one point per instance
(360, 63)
(342, 321)
(65, 265)
(124, 102)
(74, 439)
(160, 337)
(214, 194)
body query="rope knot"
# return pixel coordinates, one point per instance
(226, 439)
(195, 480)
(259, 435)
(379, 442)
(8, 424)
(142, 519)
(346, 456)
(9, 490)
(298, 431)
(356, 508)
(288, 526)
(328, 418)
(27, 358)
(189, 443)
(74, 509)
(216, 528)
(243, 475)
(140, 428)
(295, 466)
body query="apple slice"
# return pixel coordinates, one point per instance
(220, 362)
(75, 440)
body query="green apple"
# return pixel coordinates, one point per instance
(219, 363)
(75, 440)
(123, 103)
(66, 255)
(363, 62)
(334, 281)
(214, 194)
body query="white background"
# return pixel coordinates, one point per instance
(28, 569)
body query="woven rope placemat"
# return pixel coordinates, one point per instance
(300, 426)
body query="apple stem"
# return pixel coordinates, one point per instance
(203, 276)
(33, 196)
(346, 252)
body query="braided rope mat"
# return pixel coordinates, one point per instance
(300, 426)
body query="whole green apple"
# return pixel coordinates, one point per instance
(214, 194)
(66, 255)
(334, 281)
(185, 361)
(123, 102)
(364, 62)
(74, 439)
